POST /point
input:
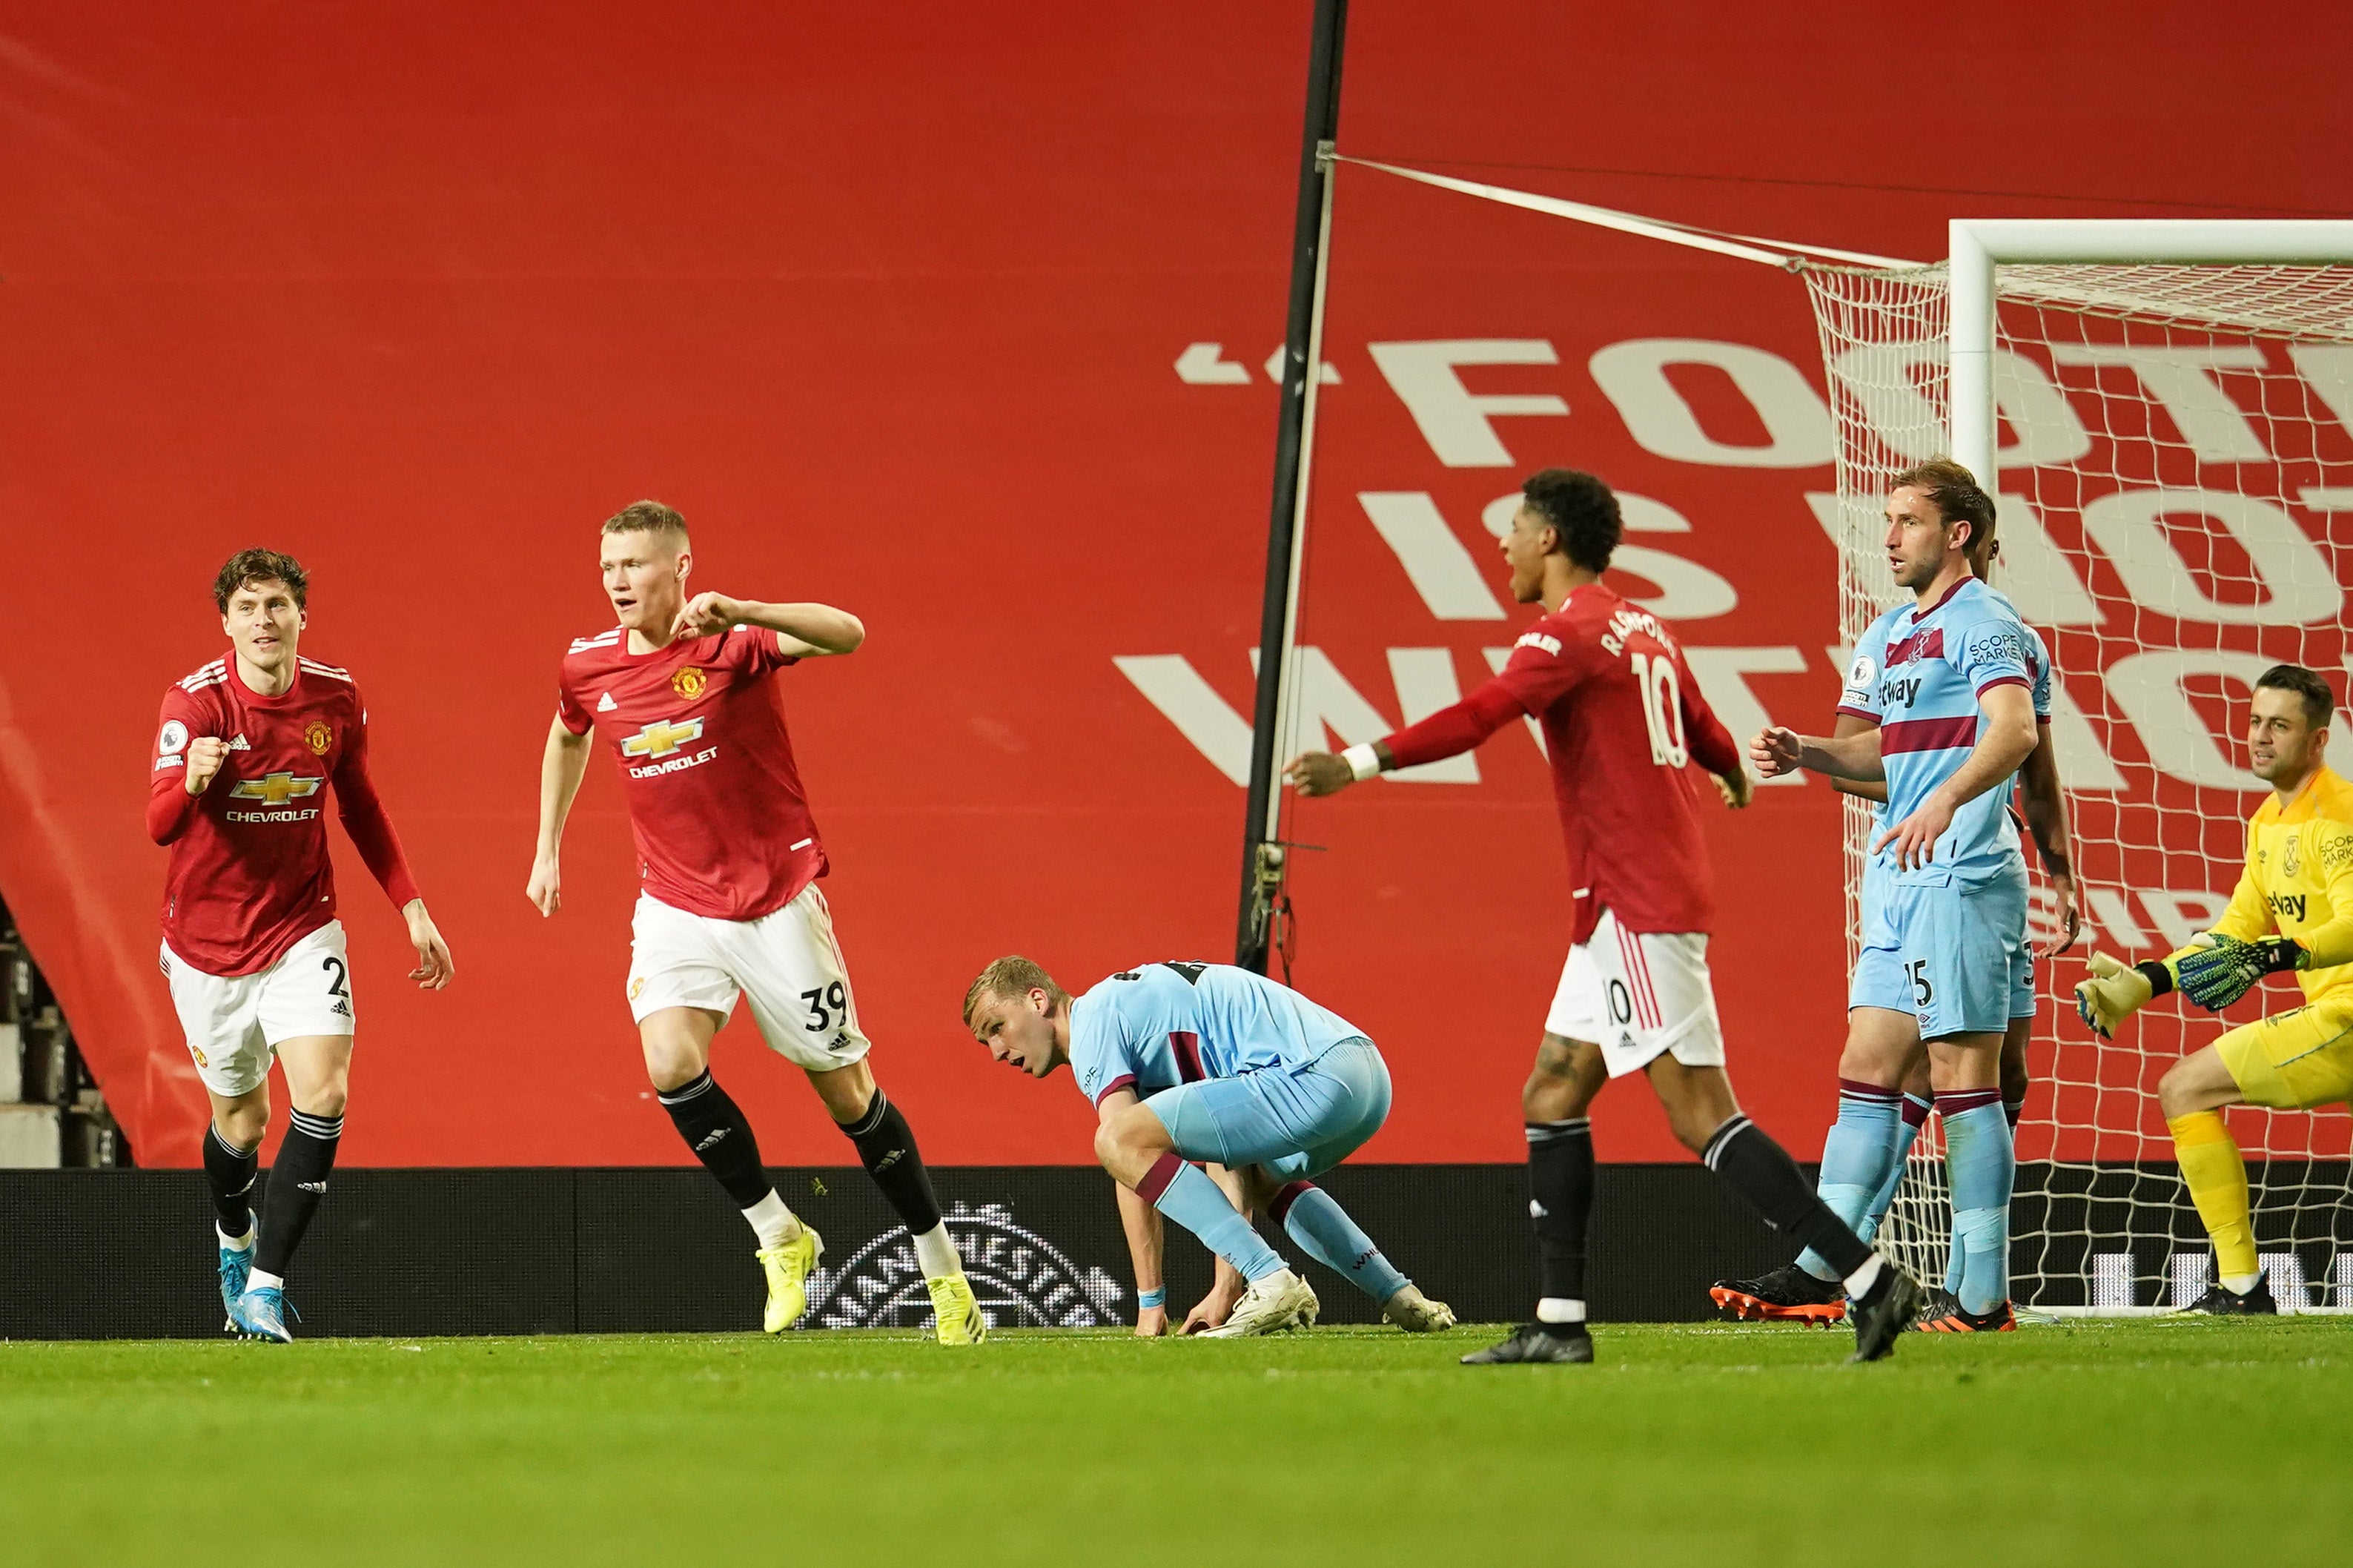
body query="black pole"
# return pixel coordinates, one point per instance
(1262, 861)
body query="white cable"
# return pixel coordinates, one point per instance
(1744, 248)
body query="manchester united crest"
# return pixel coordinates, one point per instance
(319, 736)
(689, 683)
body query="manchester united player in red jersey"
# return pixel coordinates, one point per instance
(729, 905)
(251, 945)
(1622, 720)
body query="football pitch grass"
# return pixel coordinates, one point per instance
(2148, 1442)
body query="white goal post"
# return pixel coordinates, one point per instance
(2163, 410)
(2177, 512)
(1979, 246)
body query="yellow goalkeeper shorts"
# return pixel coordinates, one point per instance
(2293, 1061)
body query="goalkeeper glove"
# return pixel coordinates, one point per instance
(2114, 994)
(2221, 969)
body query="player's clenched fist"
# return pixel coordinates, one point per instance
(205, 754)
(1776, 752)
(706, 615)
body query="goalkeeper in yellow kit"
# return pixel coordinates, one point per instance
(2293, 910)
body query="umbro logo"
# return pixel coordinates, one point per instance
(606, 704)
(716, 1134)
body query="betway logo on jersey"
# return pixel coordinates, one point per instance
(665, 738)
(274, 790)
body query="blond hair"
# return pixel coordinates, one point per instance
(1010, 976)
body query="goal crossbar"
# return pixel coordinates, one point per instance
(1979, 246)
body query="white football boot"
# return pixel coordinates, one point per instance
(1416, 1313)
(1275, 1305)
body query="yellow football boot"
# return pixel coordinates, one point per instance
(958, 1315)
(788, 1267)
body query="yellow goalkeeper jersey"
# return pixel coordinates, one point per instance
(2298, 883)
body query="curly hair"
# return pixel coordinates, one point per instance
(1582, 511)
(247, 567)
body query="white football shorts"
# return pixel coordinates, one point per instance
(1637, 995)
(785, 962)
(235, 1022)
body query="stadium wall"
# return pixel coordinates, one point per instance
(959, 319)
(125, 1254)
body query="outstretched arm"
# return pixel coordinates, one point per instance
(1847, 727)
(803, 631)
(1443, 734)
(560, 768)
(1781, 751)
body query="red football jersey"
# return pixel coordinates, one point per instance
(715, 802)
(249, 875)
(1622, 720)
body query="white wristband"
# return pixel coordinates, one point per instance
(1363, 761)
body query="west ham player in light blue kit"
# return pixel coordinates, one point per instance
(1884, 1081)
(1948, 684)
(1209, 1062)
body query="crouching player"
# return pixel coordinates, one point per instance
(2293, 910)
(1209, 1062)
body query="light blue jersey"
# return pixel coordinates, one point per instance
(1168, 1023)
(1918, 675)
(1880, 978)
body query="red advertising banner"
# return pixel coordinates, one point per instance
(961, 323)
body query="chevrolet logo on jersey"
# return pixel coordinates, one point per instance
(276, 789)
(661, 738)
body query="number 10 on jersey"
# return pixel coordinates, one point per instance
(1663, 709)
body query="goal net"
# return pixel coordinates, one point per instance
(2176, 512)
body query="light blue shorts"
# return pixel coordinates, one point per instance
(1296, 1121)
(1879, 980)
(1961, 952)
